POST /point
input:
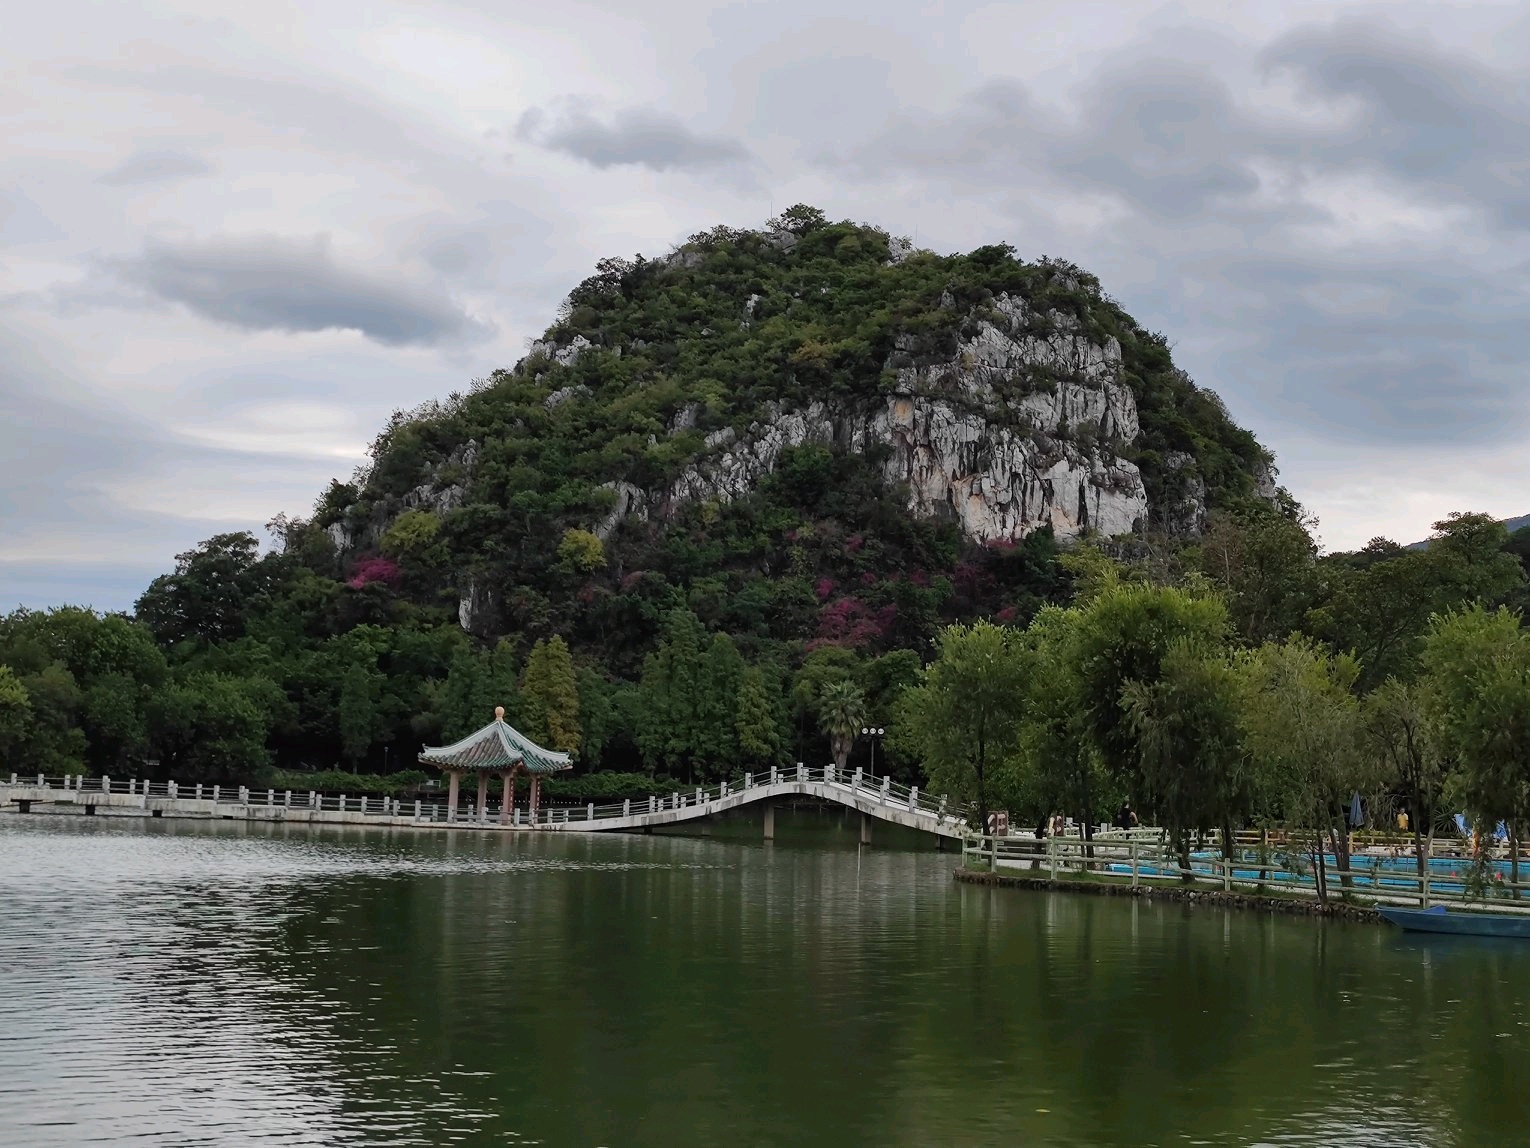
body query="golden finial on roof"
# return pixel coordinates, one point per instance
(499, 713)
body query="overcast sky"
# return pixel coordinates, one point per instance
(234, 237)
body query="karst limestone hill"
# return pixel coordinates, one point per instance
(984, 397)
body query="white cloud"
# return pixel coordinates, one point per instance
(1330, 218)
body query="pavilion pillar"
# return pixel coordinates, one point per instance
(451, 795)
(507, 799)
(483, 794)
(536, 795)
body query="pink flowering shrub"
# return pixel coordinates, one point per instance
(824, 588)
(845, 622)
(370, 570)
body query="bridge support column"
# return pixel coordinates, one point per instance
(454, 784)
(865, 829)
(770, 821)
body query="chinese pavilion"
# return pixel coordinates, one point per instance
(497, 748)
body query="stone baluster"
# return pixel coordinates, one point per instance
(216, 789)
(626, 807)
(913, 799)
(106, 783)
(416, 808)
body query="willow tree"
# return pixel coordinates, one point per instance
(963, 718)
(1303, 730)
(1403, 733)
(1190, 746)
(1119, 644)
(1479, 661)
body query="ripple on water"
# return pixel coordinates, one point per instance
(175, 983)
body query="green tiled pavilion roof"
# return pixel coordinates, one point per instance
(498, 745)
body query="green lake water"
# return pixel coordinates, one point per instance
(183, 983)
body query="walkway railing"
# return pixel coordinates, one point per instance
(1140, 858)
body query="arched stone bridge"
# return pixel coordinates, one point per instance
(875, 798)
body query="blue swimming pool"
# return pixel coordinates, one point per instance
(1398, 874)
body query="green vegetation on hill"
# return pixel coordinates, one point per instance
(751, 630)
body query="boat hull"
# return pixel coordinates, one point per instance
(1437, 920)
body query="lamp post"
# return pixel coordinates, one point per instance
(873, 732)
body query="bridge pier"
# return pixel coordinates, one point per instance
(770, 821)
(865, 829)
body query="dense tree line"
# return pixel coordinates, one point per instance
(1212, 703)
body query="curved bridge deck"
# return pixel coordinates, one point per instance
(879, 798)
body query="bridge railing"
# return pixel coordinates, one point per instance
(879, 788)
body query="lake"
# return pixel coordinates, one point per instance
(200, 983)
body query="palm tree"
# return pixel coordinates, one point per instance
(842, 710)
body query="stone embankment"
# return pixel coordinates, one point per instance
(1215, 898)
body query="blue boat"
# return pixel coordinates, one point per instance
(1436, 920)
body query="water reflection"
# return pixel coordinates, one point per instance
(219, 984)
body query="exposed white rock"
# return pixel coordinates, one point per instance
(475, 608)
(1016, 432)
(630, 502)
(563, 394)
(1185, 513)
(565, 356)
(441, 497)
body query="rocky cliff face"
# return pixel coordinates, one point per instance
(1016, 431)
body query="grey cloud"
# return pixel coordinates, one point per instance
(1359, 341)
(270, 284)
(634, 137)
(155, 167)
(822, 102)
(63, 453)
(23, 222)
(1429, 119)
(1163, 136)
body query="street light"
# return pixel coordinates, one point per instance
(873, 732)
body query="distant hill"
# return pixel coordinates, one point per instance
(1513, 524)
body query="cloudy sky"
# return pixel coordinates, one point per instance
(234, 237)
